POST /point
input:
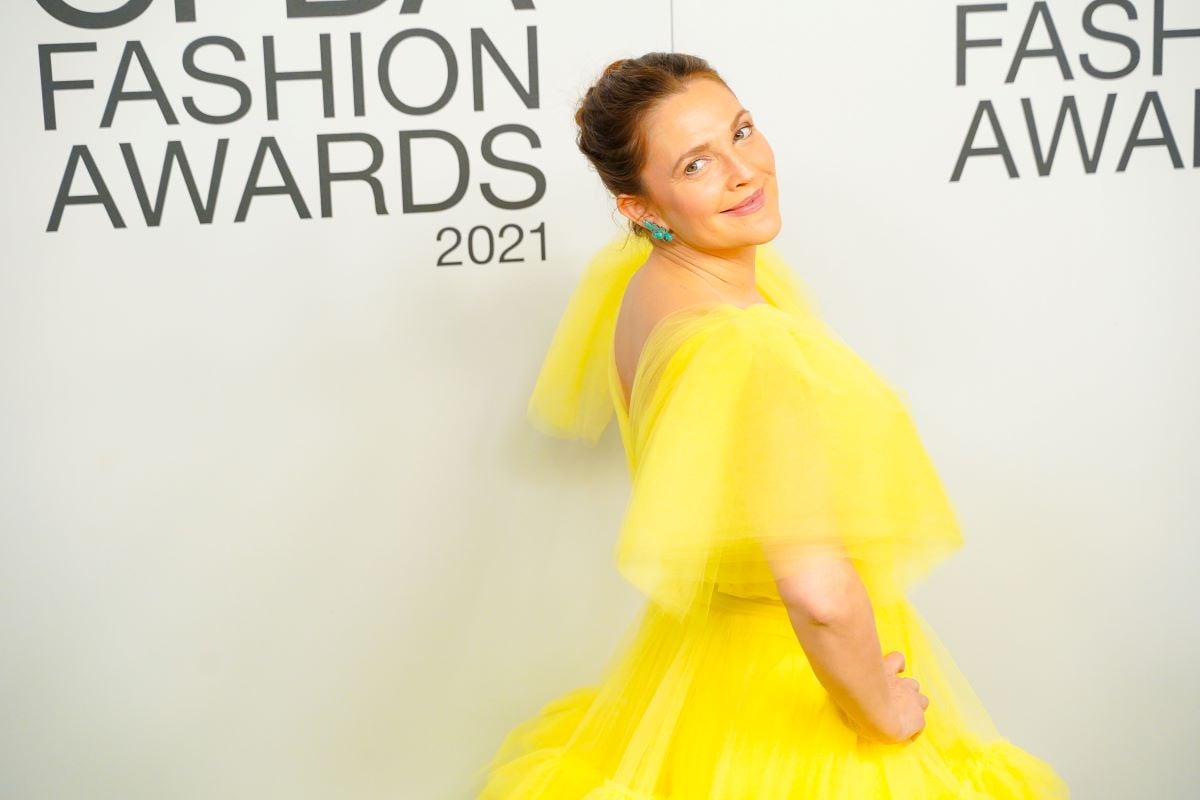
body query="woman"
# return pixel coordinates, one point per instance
(781, 504)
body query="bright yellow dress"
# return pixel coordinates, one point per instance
(750, 432)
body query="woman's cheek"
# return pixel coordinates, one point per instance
(715, 195)
(770, 159)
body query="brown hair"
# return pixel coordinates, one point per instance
(610, 115)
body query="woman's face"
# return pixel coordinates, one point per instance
(704, 156)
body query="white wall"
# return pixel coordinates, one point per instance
(274, 524)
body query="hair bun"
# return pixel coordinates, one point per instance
(613, 67)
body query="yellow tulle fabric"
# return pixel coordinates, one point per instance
(752, 434)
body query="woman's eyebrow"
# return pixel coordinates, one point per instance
(702, 147)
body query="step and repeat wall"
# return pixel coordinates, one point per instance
(278, 278)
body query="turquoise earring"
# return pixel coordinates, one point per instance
(658, 230)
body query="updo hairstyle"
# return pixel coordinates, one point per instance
(609, 116)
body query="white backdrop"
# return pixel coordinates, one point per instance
(273, 522)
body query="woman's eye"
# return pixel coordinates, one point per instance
(688, 169)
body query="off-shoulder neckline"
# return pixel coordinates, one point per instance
(701, 310)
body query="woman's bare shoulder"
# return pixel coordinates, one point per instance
(649, 296)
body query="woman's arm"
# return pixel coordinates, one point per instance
(835, 624)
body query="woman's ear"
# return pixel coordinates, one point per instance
(633, 208)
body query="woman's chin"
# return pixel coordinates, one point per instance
(756, 229)
(772, 228)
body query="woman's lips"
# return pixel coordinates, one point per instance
(748, 206)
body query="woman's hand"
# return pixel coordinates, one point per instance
(907, 717)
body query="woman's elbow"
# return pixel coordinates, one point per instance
(817, 584)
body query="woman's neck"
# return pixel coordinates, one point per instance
(728, 273)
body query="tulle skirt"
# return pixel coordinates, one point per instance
(727, 707)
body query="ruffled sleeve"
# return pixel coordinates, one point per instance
(571, 398)
(759, 435)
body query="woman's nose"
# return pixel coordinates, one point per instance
(740, 170)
